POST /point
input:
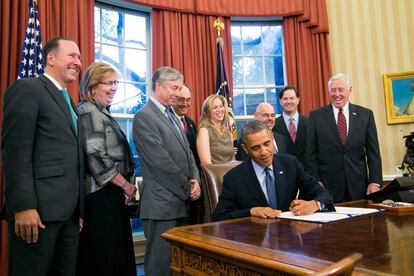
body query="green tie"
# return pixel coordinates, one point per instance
(72, 112)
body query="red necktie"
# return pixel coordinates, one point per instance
(292, 130)
(341, 124)
(185, 126)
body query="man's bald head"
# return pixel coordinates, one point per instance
(265, 113)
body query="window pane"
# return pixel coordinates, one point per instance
(253, 71)
(114, 55)
(238, 102)
(237, 71)
(134, 38)
(235, 40)
(279, 75)
(270, 70)
(272, 40)
(271, 96)
(251, 40)
(112, 27)
(97, 24)
(136, 65)
(254, 96)
(135, 97)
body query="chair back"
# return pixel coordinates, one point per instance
(213, 179)
(344, 267)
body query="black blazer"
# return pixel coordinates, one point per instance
(353, 166)
(281, 143)
(242, 191)
(191, 137)
(41, 151)
(298, 148)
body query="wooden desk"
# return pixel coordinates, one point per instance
(252, 246)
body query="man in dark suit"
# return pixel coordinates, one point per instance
(170, 175)
(342, 145)
(181, 107)
(43, 167)
(291, 124)
(267, 184)
(265, 113)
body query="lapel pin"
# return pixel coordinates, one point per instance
(280, 172)
(354, 113)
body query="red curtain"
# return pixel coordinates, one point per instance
(70, 18)
(187, 42)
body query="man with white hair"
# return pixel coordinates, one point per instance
(342, 145)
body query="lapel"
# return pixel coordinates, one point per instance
(58, 98)
(353, 120)
(191, 127)
(283, 128)
(250, 179)
(280, 182)
(167, 122)
(330, 118)
(300, 133)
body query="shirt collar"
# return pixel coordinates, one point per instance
(345, 109)
(295, 116)
(55, 82)
(259, 169)
(158, 104)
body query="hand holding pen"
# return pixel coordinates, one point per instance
(301, 207)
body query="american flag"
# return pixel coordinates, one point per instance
(222, 87)
(31, 64)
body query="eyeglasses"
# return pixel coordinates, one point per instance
(110, 83)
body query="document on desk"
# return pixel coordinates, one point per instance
(325, 217)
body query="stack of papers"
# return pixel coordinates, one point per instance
(325, 217)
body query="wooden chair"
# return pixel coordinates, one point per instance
(344, 267)
(213, 183)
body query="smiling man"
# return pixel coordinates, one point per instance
(342, 145)
(170, 175)
(291, 124)
(267, 184)
(43, 166)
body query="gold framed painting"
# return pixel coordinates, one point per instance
(399, 97)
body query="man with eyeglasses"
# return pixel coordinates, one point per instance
(291, 124)
(342, 145)
(265, 113)
(181, 108)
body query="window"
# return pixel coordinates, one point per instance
(122, 39)
(258, 65)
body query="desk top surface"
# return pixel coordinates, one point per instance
(385, 240)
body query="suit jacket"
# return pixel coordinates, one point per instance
(41, 151)
(297, 148)
(167, 165)
(242, 191)
(191, 137)
(281, 143)
(354, 165)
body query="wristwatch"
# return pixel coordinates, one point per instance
(320, 205)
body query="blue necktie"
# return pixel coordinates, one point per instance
(170, 115)
(72, 112)
(271, 188)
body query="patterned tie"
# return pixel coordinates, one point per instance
(173, 122)
(292, 129)
(271, 188)
(72, 112)
(341, 124)
(185, 126)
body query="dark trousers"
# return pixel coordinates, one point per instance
(158, 250)
(53, 254)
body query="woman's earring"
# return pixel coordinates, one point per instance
(93, 92)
